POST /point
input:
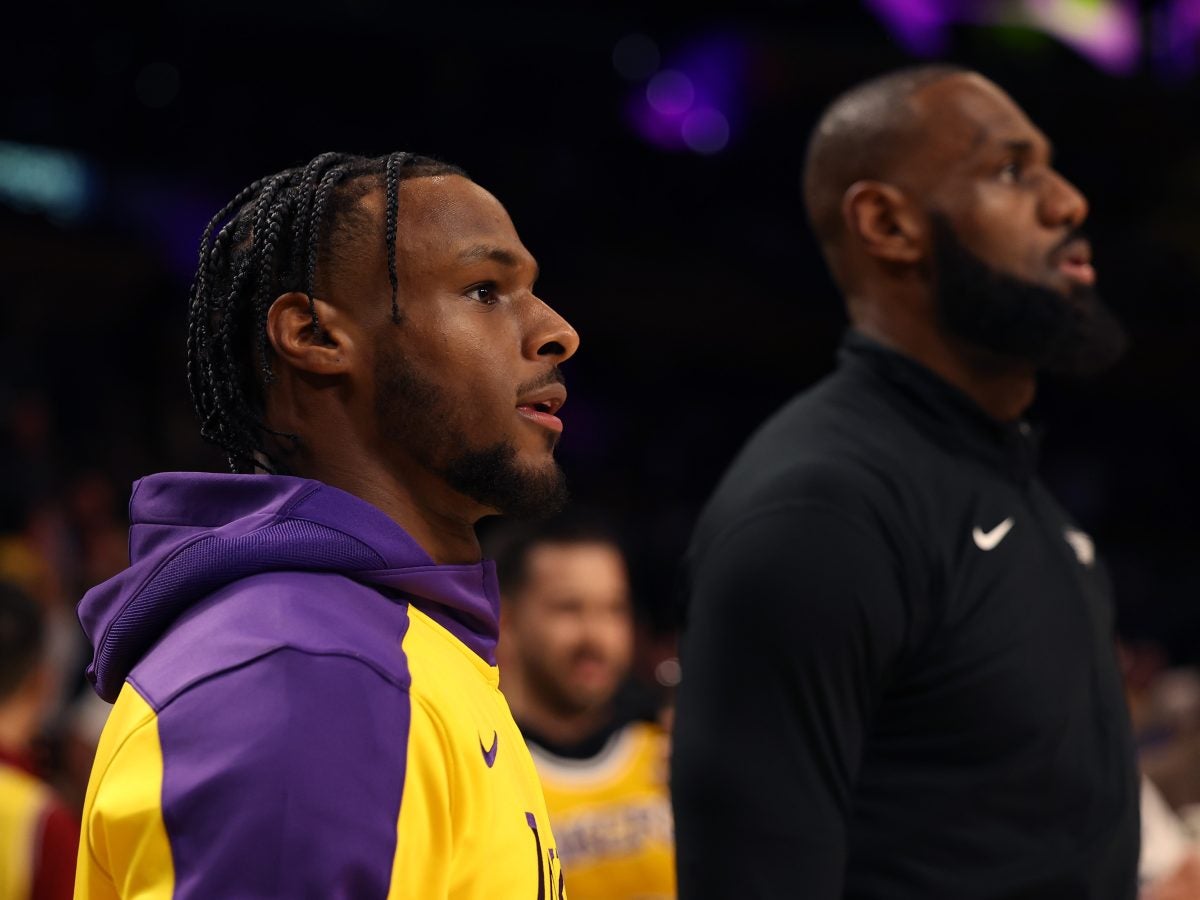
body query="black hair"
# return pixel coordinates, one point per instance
(510, 543)
(286, 232)
(22, 636)
(862, 134)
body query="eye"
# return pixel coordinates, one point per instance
(1012, 171)
(485, 293)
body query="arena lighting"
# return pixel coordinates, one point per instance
(1175, 36)
(54, 182)
(1107, 32)
(690, 104)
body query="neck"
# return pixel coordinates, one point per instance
(1002, 387)
(438, 518)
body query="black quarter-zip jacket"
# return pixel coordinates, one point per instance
(899, 675)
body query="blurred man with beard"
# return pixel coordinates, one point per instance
(565, 651)
(899, 672)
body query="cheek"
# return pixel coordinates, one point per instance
(1002, 228)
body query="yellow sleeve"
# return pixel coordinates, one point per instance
(123, 851)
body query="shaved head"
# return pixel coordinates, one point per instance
(862, 135)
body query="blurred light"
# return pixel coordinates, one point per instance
(694, 104)
(635, 57)
(920, 25)
(705, 130)
(1107, 32)
(157, 85)
(43, 179)
(668, 673)
(670, 93)
(1176, 35)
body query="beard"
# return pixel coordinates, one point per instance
(1073, 334)
(412, 412)
(556, 691)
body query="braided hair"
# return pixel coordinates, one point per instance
(276, 236)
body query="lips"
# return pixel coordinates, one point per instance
(1074, 260)
(541, 405)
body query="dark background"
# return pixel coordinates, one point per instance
(691, 277)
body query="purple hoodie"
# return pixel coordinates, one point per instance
(194, 533)
(261, 619)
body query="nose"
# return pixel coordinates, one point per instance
(1062, 204)
(550, 336)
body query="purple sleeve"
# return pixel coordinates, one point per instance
(283, 778)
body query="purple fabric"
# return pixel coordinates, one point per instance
(271, 789)
(193, 534)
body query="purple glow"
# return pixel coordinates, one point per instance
(920, 25)
(1176, 36)
(705, 130)
(1107, 32)
(670, 93)
(693, 104)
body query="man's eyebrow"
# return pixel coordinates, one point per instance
(486, 252)
(1026, 147)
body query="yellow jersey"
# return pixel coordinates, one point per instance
(611, 814)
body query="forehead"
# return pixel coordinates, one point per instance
(965, 117)
(593, 565)
(442, 218)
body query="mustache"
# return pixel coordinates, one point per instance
(554, 376)
(1075, 234)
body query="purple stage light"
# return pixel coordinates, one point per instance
(920, 25)
(694, 104)
(1107, 32)
(670, 93)
(1176, 36)
(705, 130)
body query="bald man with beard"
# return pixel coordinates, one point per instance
(899, 672)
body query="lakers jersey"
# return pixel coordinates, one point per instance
(612, 816)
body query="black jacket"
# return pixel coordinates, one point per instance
(899, 678)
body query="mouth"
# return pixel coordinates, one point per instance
(1075, 262)
(541, 406)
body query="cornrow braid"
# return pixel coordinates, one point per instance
(394, 163)
(280, 234)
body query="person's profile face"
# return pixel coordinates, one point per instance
(990, 175)
(467, 384)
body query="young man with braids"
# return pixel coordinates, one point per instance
(301, 654)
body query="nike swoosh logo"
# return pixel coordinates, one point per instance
(489, 756)
(988, 540)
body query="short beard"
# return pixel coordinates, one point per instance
(410, 409)
(1071, 334)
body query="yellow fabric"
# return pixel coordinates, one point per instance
(457, 810)
(612, 815)
(22, 801)
(124, 852)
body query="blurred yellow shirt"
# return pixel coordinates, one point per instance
(611, 814)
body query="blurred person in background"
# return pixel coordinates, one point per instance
(565, 653)
(301, 653)
(900, 677)
(39, 836)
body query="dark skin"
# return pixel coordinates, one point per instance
(472, 325)
(981, 164)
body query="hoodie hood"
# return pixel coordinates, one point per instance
(194, 533)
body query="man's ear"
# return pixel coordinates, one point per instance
(322, 349)
(883, 220)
